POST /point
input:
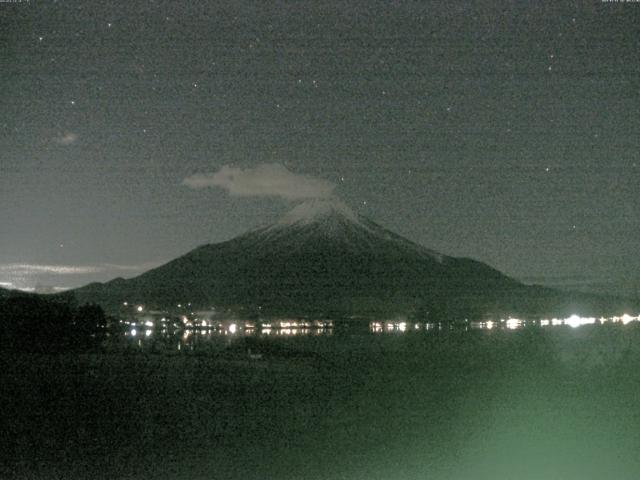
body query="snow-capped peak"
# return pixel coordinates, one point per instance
(315, 210)
(331, 218)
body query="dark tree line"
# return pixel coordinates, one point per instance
(33, 323)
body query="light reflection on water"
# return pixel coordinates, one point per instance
(510, 323)
(224, 334)
(220, 336)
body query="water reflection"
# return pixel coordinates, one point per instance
(221, 335)
(216, 336)
(510, 323)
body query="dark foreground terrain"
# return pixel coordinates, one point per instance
(531, 404)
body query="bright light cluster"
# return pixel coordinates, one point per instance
(573, 321)
(510, 323)
(302, 327)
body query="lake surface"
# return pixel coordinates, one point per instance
(347, 402)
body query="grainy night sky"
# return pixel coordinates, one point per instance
(502, 131)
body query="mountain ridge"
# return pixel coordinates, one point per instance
(323, 259)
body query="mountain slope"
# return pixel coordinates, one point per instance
(319, 259)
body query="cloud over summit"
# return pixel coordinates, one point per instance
(267, 179)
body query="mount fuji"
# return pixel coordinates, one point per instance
(322, 259)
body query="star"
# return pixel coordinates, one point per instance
(506, 112)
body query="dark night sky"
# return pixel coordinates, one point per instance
(503, 131)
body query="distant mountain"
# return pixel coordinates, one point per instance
(322, 259)
(10, 293)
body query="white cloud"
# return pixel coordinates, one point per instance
(21, 269)
(26, 268)
(48, 278)
(130, 268)
(268, 179)
(67, 138)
